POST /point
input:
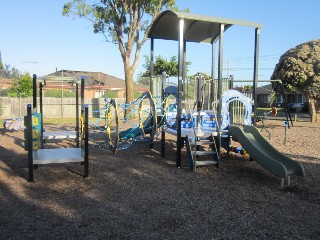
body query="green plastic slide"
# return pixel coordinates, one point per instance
(264, 153)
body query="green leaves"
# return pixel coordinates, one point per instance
(125, 23)
(21, 87)
(298, 68)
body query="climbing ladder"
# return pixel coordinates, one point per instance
(201, 151)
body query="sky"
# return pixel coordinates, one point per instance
(37, 39)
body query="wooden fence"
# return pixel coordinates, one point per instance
(66, 107)
(52, 107)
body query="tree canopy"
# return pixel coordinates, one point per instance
(21, 87)
(161, 64)
(124, 23)
(299, 70)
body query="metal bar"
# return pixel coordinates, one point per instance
(163, 133)
(184, 70)
(255, 72)
(34, 88)
(29, 142)
(288, 115)
(231, 82)
(59, 79)
(82, 91)
(220, 69)
(77, 115)
(213, 72)
(151, 65)
(259, 81)
(180, 93)
(86, 142)
(41, 112)
(220, 79)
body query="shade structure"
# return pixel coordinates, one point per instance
(186, 27)
(197, 28)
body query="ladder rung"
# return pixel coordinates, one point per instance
(205, 162)
(202, 142)
(204, 153)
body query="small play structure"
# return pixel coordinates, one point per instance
(46, 81)
(33, 133)
(38, 156)
(205, 130)
(121, 125)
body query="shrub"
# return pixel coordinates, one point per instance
(59, 93)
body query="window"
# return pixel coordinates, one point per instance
(279, 98)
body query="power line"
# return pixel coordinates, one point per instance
(237, 59)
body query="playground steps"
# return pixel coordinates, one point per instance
(206, 156)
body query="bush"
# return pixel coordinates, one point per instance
(58, 93)
(4, 92)
(109, 94)
(21, 86)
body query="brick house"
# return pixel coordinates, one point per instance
(264, 94)
(96, 83)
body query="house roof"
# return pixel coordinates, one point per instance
(266, 89)
(197, 28)
(93, 79)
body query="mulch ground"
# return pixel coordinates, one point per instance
(136, 194)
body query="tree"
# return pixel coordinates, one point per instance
(109, 94)
(1, 64)
(57, 93)
(123, 23)
(299, 70)
(21, 87)
(160, 65)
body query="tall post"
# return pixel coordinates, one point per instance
(82, 91)
(34, 91)
(220, 69)
(255, 72)
(231, 82)
(41, 112)
(219, 94)
(77, 114)
(184, 70)
(213, 73)
(180, 92)
(86, 141)
(163, 115)
(29, 142)
(151, 66)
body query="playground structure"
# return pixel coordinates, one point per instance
(38, 156)
(207, 29)
(13, 124)
(197, 28)
(56, 135)
(34, 135)
(120, 125)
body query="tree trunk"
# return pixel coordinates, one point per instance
(314, 109)
(129, 86)
(129, 83)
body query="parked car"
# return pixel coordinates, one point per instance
(296, 107)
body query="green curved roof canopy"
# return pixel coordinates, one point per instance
(198, 28)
